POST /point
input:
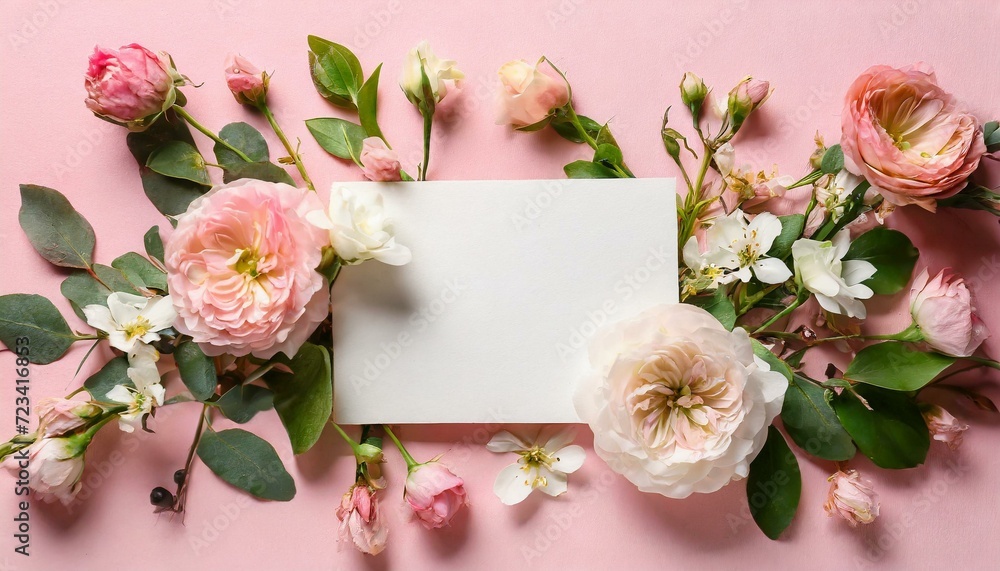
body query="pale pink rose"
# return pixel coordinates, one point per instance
(943, 426)
(908, 136)
(851, 498)
(360, 520)
(527, 94)
(130, 85)
(241, 266)
(245, 80)
(55, 466)
(434, 493)
(942, 308)
(57, 416)
(381, 164)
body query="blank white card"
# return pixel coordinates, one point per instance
(492, 320)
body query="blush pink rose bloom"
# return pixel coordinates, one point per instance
(130, 85)
(434, 493)
(381, 164)
(55, 466)
(361, 521)
(245, 80)
(942, 308)
(527, 94)
(851, 498)
(241, 266)
(943, 426)
(57, 416)
(908, 136)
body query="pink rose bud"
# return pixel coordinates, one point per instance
(434, 493)
(57, 416)
(55, 466)
(942, 310)
(758, 90)
(360, 519)
(246, 81)
(381, 163)
(745, 98)
(132, 86)
(851, 498)
(527, 95)
(943, 426)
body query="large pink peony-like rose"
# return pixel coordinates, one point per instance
(678, 404)
(908, 136)
(241, 266)
(130, 85)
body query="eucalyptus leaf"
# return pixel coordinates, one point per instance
(242, 402)
(247, 462)
(177, 159)
(892, 434)
(896, 365)
(55, 229)
(245, 138)
(140, 271)
(338, 137)
(33, 321)
(303, 398)
(197, 370)
(774, 485)
(154, 244)
(991, 135)
(833, 160)
(259, 171)
(113, 373)
(892, 254)
(171, 196)
(171, 128)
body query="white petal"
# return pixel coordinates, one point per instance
(121, 394)
(160, 313)
(504, 441)
(768, 228)
(125, 307)
(569, 459)
(513, 484)
(556, 483)
(99, 317)
(397, 255)
(857, 271)
(560, 439)
(771, 270)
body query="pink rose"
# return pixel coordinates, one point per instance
(381, 163)
(943, 426)
(851, 498)
(528, 95)
(248, 84)
(360, 520)
(434, 493)
(55, 466)
(57, 416)
(942, 310)
(241, 266)
(130, 86)
(907, 136)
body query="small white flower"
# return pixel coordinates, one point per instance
(543, 467)
(741, 249)
(439, 73)
(835, 282)
(725, 159)
(359, 229)
(140, 400)
(833, 195)
(130, 319)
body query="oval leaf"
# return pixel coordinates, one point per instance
(892, 254)
(304, 398)
(894, 365)
(833, 160)
(812, 423)
(719, 305)
(242, 402)
(34, 318)
(247, 462)
(336, 71)
(587, 169)
(338, 137)
(177, 159)
(171, 196)
(154, 244)
(792, 226)
(774, 485)
(892, 434)
(245, 138)
(114, 372)
(140, 272)
(368, 105)
(259, 171)
(197, 370)
(55, 229)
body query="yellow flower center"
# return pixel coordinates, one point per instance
(247, 263)
(534, 457)
(137, 328)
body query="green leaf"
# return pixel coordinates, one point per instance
(893, 434)
(171, 196)
(607, 154)
(792, 226)
(140, 271)
(245, 138)
(153, 244)
(247, 462)
(774, 485)
(242, 402)
(771, 359)
(587, 169)
(336, 72)
(368, 105)
(38, 324)
(991, 135)
(892, 254)
(55, 229)
(338, 137)
(82, 289)
(895, 365)
(259, 171)
(171, 128)
(604, 136)
(197, 370)
(114, 372)
(565, 128)
(177, 159)
(719, 305)
(812, 423)
(304, 398)
(833, 160)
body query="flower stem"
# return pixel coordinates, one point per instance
(181, 494)
(205, 131)
(984, 362)
(288, 146)
(355, 448)
(428, 125)
(410, 462)
(792, 307)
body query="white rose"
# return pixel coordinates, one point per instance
(836, 283)
(678, 404)
(359, 229)
(439, 72)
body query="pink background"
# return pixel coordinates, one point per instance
(625, 63)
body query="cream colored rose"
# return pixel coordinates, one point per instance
(678, 404)
(527, 95)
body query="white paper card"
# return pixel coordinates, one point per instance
(491, 321)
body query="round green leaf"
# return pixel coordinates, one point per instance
(774, 485)
(892, 254)
(55, 229)
(140, 272)
(245, 138)
(792, 226)
(114, 372)
(892, 434)
(38, 324)
(242, 402)
(171, 196)
(247, 462)
(833, 160)
(177, 159)
(153, 244)
(197, 370)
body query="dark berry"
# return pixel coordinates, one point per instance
(160, 497)
(179, 477)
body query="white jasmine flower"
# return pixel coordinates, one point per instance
(741, 248)
(130, 319)
(140, 400)
(821, 269)
(542, 467)
(359, 229)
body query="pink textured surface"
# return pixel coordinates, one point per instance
(625, 64)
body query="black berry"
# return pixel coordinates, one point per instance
(160, 497)
(179, 476)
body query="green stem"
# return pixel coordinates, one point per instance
(355, 448)
(808, 179)
(205, 131)
(182, 487)
(410, 462)
(288, 146)
(984, 362)
(794, 305)
(428, 125)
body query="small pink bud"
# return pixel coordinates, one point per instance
(851, 498)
